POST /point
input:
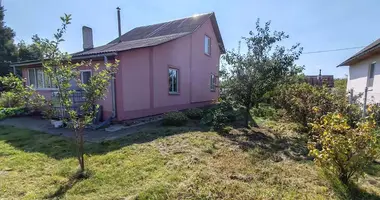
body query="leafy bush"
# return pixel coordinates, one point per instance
(10, 112)
(174, 119)
(265, 111)
(304, 103)
(16, 94)
(375, 111)
(194, 113)
(341, 149)
(219, 115)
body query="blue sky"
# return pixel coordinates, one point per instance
(317, 25)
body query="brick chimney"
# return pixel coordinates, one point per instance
(87, 38)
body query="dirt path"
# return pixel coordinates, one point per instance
(38, 124)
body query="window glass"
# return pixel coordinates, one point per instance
(212, 82)
(372, 70)
(32, 77)
(40, 78)
(173, 80)
(47, 81)
(207, 45)
(85, 76)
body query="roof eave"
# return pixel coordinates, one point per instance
(36, 62)
(217, 33)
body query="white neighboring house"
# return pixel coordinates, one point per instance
(364, 71)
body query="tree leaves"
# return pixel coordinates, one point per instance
(265, 64)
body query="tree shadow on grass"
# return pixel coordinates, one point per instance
(350, 192)
(61, 191)
(270, 144)
(59, 147)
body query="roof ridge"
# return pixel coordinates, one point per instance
(194, 15)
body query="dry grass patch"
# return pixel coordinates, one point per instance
(167, 163)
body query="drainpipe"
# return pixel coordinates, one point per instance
(118, 22)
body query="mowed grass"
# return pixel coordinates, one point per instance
(168, 163)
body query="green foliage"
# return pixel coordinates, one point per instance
(61, 70)
(10, 112)
(27, 52)
(174, 119)
(194, 113)
(375, 111)
(265, 64)
(340, 84)
(343, 150)
(17, 95)
(219, 115)
(304, 103)
(265, 111)
(7, 47)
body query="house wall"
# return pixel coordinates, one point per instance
(202, 65)
(142, 79)
(106, 103)
(358, 76)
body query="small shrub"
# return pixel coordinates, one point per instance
(10, 112)
(219, 115)
(194, 113)
(265, 111)
(341, 149)
(16, 94)
(305, 104)
(174, 119)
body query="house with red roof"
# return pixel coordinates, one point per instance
(163, 67)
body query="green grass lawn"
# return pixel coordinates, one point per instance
(169, 163)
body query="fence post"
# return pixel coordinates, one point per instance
(350, 98)
(365, 102)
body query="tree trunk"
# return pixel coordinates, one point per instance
(248, 118)
(80, 149)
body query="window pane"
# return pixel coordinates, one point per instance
(32, 77)
(207, 45)
(173, 80)
(47, 81)
(212, 82)
(372, 70)
(86, 77)
(40, 78)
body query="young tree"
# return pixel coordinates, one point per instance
(62, 71)
(265, 65)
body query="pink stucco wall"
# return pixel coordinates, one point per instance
(202, 65)
(142, 78)
(142, 86)
(106, 103)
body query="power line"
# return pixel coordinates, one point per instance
(331, 50)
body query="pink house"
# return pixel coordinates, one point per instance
(163, 67)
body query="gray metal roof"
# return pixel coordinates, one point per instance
(373, 47)
(147, 36)
(128, 45)
(152, 35)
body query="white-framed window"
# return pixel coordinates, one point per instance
(212, 83)
(85, 76)
(38, 79)
(207, 45)
(371, 74)
(173, 81)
